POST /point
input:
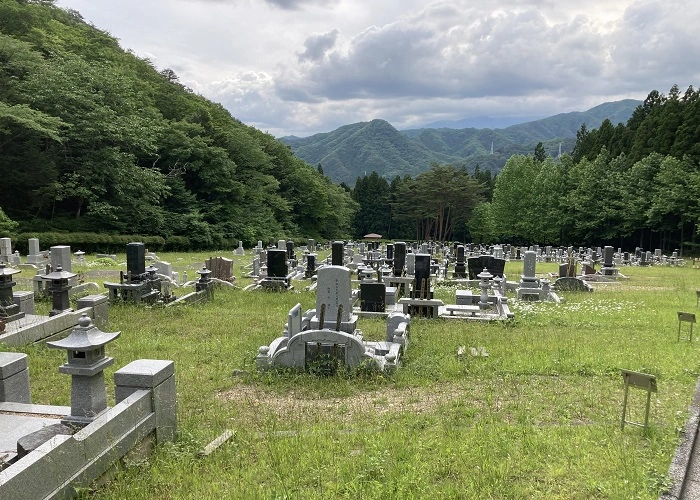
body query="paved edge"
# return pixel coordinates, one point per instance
(686, 453)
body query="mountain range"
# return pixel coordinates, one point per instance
(358, 149)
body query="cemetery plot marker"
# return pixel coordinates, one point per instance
(684, 317)
(640, 381)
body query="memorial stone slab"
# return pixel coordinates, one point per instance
(61, 256)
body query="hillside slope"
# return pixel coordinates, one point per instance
(355, 150)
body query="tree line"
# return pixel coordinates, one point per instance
(630, 185)
(433, 205)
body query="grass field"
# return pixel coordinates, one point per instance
(538, 418)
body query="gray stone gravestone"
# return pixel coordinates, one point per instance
(5, 250)
(529, 286)
(333, 290)
(410, 264)
(61, 256)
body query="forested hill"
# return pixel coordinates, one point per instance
(348, 152)
(95, 139)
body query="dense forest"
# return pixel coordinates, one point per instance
(631, 185)
(94, 139)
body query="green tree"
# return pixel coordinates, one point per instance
(7, 225)
(482, 224)
(372, 194)
(540, 154)
(439, 201)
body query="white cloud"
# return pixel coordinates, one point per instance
(303, 66)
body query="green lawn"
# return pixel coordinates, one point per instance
(538, 418)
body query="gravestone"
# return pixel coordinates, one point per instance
(294, 321)
(35, 256)
(587, 270)
(9, 311)
(608, 268)
(256, 266)
(220, 267)
(164, 268)
(399, 257)
(240, 250)
(5, 250)
(498, 252)
(410, 264)
(135, 260)
(61, 256)
(567, 270)
(277, 263)
(311, 245)
(477, 264)
(282, 245)
(333, 290)
(372, 297)
(338, 253)
(389, 252)
(460, 265)
(422, 289)
(571, 285)
(529, 286)
(290, 250)
(310, 265)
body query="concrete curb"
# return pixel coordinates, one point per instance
(683, 470)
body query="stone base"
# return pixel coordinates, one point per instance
(348, 326)
(529, 293)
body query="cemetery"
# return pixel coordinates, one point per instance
(538, 395)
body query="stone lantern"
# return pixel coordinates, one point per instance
(9, 311)
(151, 272)
(485, 277)
(79, 257)
(86, 364)
(204, 282)
(59, 287)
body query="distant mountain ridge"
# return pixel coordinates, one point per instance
(358, 149)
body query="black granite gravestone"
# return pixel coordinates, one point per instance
(372, 297)
(277, 263)
(478, 264)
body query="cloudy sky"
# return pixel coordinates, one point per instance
(306, 66)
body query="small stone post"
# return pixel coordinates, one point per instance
(14, 378)
(157, 376)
